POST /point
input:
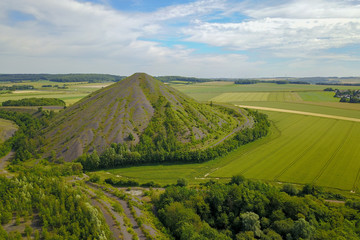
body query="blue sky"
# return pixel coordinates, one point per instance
(201, 38)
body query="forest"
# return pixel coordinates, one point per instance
(48, 206)
(247, 209)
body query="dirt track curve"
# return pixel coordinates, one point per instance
(301, 113)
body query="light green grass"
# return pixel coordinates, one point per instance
(303, 150)
(257, 96)
(318, 96)
(337, 109)
(309, 150)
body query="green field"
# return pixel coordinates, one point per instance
(300, 149)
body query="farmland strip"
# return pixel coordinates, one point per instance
(301, 113)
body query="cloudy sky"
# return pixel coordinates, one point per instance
(201, 38)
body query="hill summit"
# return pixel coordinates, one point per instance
(137, 110)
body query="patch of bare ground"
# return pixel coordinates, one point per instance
(302, 113)
(19, 226)
(108, 212)
(4, 161)
(126, 209)
(335, 201)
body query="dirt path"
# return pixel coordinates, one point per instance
(108, 218)
(4, 162)
(247, 124)
(301, 113)
(126, 209)
(335, 201)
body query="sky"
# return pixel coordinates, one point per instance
(197, 38)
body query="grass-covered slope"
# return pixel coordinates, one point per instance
(136, 109)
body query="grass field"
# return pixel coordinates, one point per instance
(302, 150)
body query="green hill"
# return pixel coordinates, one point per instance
(141, 111)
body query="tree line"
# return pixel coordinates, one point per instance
(35, 102)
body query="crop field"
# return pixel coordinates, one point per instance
(73, 93)
(257, 96)
(301, 149)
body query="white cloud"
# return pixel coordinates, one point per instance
(78, 36)
(278, 33)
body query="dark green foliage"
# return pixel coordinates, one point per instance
(246, 81)
(181, 182)
(35, 102)
(329, 89)
(253, 210)
(349, 96)
(289, 189)
(183, 79)
(122, 182)
(94, 178)
(16, 87)
(64, 211)
(27, 137)
(156, 149)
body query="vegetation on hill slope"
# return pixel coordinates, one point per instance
(137, 109)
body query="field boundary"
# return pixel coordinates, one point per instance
(301, 113)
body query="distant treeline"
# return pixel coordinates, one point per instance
(119, 155)
(339, 84)
(35, 102)
(255, 81)
(184, 79)
(16, 87)
(91, 78)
